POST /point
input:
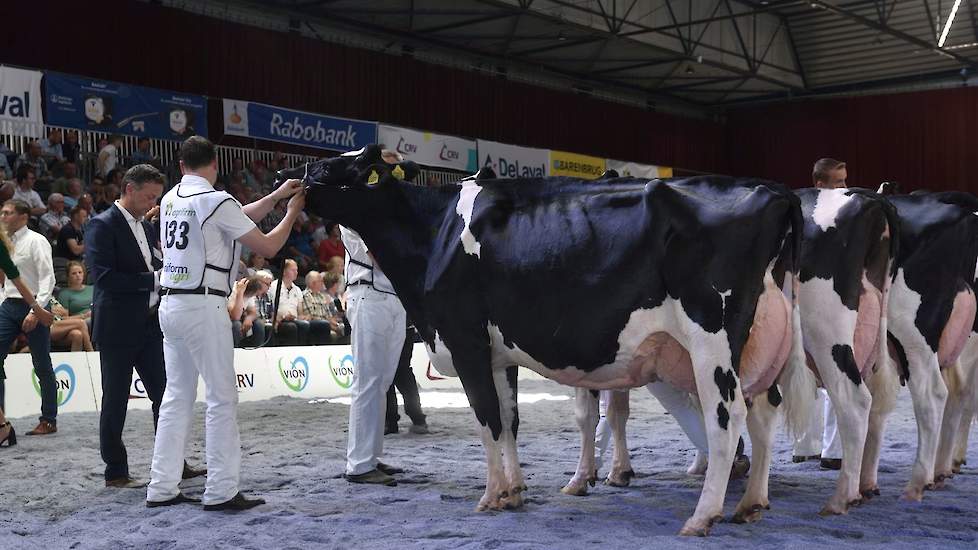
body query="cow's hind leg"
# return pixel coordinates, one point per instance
(929, 394)
(953, 410)
(884, 386)
(506, 387)
(621, 473)
(586, 414)
(724, 411)
(969, 405)
(761, 422)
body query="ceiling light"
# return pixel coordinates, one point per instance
(947, 26)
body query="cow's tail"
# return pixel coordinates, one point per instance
(886, 386)
(797, 382)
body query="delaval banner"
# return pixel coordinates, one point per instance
(20, 101)
(106, 106)
(260, 121)
(429, 149)
(636, 170)
(573, 165)
(512, 161)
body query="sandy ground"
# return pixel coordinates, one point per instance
(52, 495)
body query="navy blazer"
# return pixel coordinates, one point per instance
(122, 281)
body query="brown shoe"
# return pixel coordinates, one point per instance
(125, 483)
(831, 464)
(797, 459)
(43, 428)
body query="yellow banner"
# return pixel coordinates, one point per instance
(574, 165)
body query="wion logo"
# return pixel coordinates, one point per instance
(296, 375)
(64, 378)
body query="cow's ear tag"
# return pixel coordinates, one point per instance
(398, 172)
(373, 178)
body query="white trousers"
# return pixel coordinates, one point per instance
(197, 341)
(602, 434)
(378, 323)
(821, 437)
(685, 409)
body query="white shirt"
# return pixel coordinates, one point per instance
(139, 232)
(356, 250)
(289, 301)
(32, 256)
(110, 160)
(30, 197)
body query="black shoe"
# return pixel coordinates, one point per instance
(797, 459)
(179, 499)
(391, 429)
(831, 464)
(373, 477)
(190, 473)
(238, 503)
(388, 469)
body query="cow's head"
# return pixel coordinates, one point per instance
(353, 186)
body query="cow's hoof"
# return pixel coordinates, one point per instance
(870, 492)
(956, 465)
(620, 479)
(575, 490)
(913, 494)
(834, 509)
(512, 502)
(698, 528)
(855, 502)
(749, 515)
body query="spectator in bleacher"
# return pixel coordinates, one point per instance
(70, 146)
(70, 239)
(299, 247)
(31, 255)
(76, 298)
(318, 309)
(86, 203)
(25, 190)
(73, 194)
(105, 197)
(255, 263)
(331, 246)
(263, 302)
(51, 147)
(33, 159)
(108, 156)
(55, 218)
(68, 331)
(142, 155)
(6, 172)
(331, 286)
(242, 306)
(69, 170)
(115, 178)
(336, 266)
(292, 330)
(272, 219)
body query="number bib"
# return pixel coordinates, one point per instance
(183, 213)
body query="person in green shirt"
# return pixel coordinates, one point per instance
(7, 434)
(77, 297)
(73, 309)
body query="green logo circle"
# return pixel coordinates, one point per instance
(342, 375)
(296, 376)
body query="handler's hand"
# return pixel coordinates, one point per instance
(286, 190)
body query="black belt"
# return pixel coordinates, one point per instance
(198, 290)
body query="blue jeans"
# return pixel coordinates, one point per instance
(12, 314)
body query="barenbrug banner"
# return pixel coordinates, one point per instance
(20, 101)
(106, 106)
(430, 149)
(513, 161)
(260, 121)
(574, 165)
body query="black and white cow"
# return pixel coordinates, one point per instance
(931, 317)
(489, 270)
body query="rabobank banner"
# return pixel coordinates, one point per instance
(637, 170)
(20, 101)
(563, 163)
(512, 161)
(260, 121)
(106, 106)
(430, 149)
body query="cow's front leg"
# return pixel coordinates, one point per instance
(586, 414)
(724, 412)
(506, 388)
(761, 422)
(621, 473)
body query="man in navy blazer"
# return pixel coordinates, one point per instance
(124, 259)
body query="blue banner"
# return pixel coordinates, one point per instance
(260, 121)
(105, 106)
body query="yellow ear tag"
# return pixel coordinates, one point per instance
(397, 172)
(373, 178)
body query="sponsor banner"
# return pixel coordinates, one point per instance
(72, 376)
(257, 120)
(20, 101)
(637, 170)
(563, 163)
(430, 149)
(106, 106)
(511, 161)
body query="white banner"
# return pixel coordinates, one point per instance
(512, 161)
(20, 102)
(430, 149)
(637, 170)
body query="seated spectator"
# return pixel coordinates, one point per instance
(255, 178)
(256, 262)
(299, 247)
(51, 147)
(76, 298)
(34, 159)
(70, 244)
(86, 203)
(336, 266)
(55, 218)
(263, 302)
(69, 170)
(73, 194)
(6, 172)
(290, 330)
(69, 331)
(272, 219)
(317, 308)
(25, 190)
(105, 197)
(331, 286)
(142, 155)
(331, 246)
(70, 146)
(108, 156)
(242, 306)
